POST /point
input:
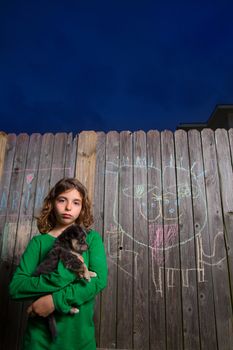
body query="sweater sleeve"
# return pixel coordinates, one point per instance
(25, 285)
(82, 291)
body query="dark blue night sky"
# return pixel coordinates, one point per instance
(113, 65)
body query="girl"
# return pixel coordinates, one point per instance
(62, 291)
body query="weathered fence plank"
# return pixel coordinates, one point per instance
(222, 302)
(226, 189)
(226, 193)
(111, 233)
(8, 249)
(174, 330)
(98, 211)
(28, 196)
(156, 243)
(187, 244)
(59, 156)
(140, 247)
(43, 177)
(3, 144)
(71, 155)
(5, 188)
(125, 245)
(5, 183)
(86, 160)
(202, 244)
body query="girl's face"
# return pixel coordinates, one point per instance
(67, 207)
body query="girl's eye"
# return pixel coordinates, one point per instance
(61, 200)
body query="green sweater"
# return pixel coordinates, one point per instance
(75, 332)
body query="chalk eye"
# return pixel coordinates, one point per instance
(184, 191)
(138, 191)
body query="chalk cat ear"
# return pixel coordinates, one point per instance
(112, 168)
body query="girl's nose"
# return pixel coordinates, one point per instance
(68, 206)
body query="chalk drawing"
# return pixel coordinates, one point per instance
(202, 258)
(165, 238)
(13, 202)
(115, 249)
(29, 178)
(3, 201)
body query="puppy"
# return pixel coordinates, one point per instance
(68, 248)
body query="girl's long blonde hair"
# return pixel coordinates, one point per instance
(47, 220)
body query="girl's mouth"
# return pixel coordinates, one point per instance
(67, 216)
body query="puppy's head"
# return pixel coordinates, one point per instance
(74, 238)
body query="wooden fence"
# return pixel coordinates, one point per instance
(163, 204)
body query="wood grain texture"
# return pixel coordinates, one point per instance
(98, 211)
(59, 158)
(174, 330)
(111, 234)
(187, 244)
(4, 190)
(157, 308)
(140, 246)
(86, 160)
(226, 190)
(222, 302)
(226, 193)
(5, 183)
(125, 244)
(202, 244)
(3, 143)
(43, 177)
(71, 155)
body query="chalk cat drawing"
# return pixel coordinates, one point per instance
(166, 211)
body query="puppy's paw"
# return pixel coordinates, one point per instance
(92, 274)
(74, 311)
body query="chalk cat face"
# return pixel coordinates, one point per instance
(159, 201)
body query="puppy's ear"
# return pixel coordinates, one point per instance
(83, 232)
(74, 230)
(66, 235)
(77, 229)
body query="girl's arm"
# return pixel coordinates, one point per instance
(25, 285)
(80, 292)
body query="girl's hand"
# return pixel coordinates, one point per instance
(43, 306)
